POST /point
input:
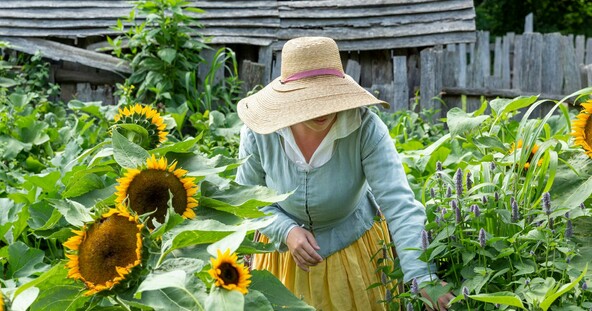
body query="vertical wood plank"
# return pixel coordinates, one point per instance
(414, 79)
(589, 51)
(506, 69)
(580, 49)
(276, 69)
(572, 80)
(400, 85)
(517, 68)
(353, 69)
(532, 62)
(496, 82)
(552, 71)
(462, 65)
(528, 23)
(266, 59)
(428, 85)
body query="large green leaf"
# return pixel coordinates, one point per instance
(74, 212)
(504, 105)
(11, 147)
(126, 153)
(242, 201)
(546, 304)
(277, 294)
(460, 122)
(255, 300)
(172, 291)
(504, 298)
(225, 300)
(29, 130)
(23, 260)
(572, 188)
(199, 165)
(43, 216)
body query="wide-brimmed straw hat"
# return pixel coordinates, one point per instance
(312, 84)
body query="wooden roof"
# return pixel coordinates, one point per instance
(354, 24)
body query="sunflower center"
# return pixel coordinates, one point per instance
(588, 131)
(229, 274)
(149, 191)
(108, 244)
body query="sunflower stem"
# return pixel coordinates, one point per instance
(121, 303)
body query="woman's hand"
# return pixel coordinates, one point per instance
(303, 247)
(443, 301)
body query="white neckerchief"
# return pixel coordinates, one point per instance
(347, 122)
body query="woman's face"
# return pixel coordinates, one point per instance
(321, 124)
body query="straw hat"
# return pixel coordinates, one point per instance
(312, 84)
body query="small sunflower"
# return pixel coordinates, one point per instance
(228, 273)
(147, 189)
(147, 118)
(106, 251)
(582, 128)
(533, 151)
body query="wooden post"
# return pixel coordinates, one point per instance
(266, 59)
(506, 69)
(495, 81)
(252, 74)
(572, 81)
(580, 49)
(276, 69)
(588, 51)
(353, 69)
(462, 65)
(400, 86)
(517, 68)
(528, 23)
(532, 62)
(429, 76)
(552, 71)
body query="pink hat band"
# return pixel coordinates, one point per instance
(314, 73)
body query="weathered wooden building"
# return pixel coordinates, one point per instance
(380, 39)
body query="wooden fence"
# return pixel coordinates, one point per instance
(550, 65)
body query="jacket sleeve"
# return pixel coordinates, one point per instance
(405, 215)
(251, 172)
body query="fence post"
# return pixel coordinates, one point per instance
(401, 88)
(531, 63)
(552, 72)
(430, 80)
(571, 70)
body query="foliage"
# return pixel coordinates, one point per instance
(504, 199)
(164, 52)
(503, 16)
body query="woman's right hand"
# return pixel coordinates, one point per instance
(303, 247)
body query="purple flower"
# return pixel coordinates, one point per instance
(444, 211)
(552, 225)
(448, 192)
(568, 229)
(585, 286)
(475, 209)
(438, 219)
(547, 203)
(414, 286)
(424, 240)
(389, 295)
(531, 253)
(458, 180)
(438, 166)
(582, 206)
(409, 306)
(383, 278)
(458, 215)
(433, 193)
(492, 166)
(515, 212)
(527, 281)
(496, 196)
(484, 200)
(469, 181)
(453, 204)
(482, 238)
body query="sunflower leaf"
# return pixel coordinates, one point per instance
(277, 294)
(232, 242)
(171, 291)
(126, 153)
(75, 213)
(227, 300)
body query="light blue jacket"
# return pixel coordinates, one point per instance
(339, 200)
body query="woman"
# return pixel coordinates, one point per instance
(309, 132)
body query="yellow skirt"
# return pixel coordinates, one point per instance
(340, 281)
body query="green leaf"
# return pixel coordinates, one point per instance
(231, 242)
(57, 291)
(126, 153)
(75, 213)
(25, 299)
(255, 300)
(178, 147)
(29, 130)
(199, 165)
(43, 216)
(48, 182)
(460, 122)
(23, 260)
(11, 147)
(83, 184)
(277, 294)
(564, 289)
(242, 201)
(189, 265)
(171, 291)
(167, 54)
(505, 298)
(573, 188)
(225, 300)
(504, 105)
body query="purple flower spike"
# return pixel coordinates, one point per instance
(568, 229)
(424, 240)
(585, 286)
(458, 180)
(476, 210)
(465, 291)
(458, 215)
(547, 203)
(469, 181)
(484, 200)
(582, 205)
(438, 166)
(482, 238)
(515, 212)
(492, 166)
(496, 196)
(433, 193)
(448, 192)
(414, 286)
(409, 306)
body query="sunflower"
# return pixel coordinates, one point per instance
(106, 251)
(582, 128)
(228, 273)
(533, 151)
(147, 118)
(147, 189)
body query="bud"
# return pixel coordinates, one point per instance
(409, 306)
(582, 206)
(476, 210)
(531, 253)
(552, 225)
(567, 215)
(448, 192)
(465, 291)
(527, 281)
(438, 166)
(424, 240)
(482, 238)
(458, 180)
(453, 204)
(458, 215)
(496, 196)
(414, 286)
(568, 229)
(433, 193)
(389, 295)
(585, 286)
(547, 203)
(444, 211)
(492, 166)
(484, 200)
(438, 220)
(469, 181)
(515, 212)
(383, 278)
